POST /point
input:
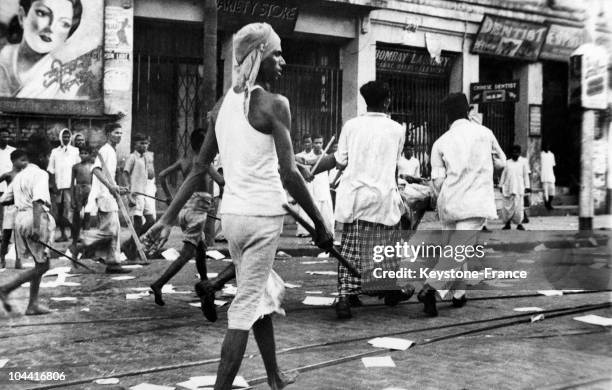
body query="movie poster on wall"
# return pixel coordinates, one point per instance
(51, 56)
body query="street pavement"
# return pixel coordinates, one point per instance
(486, 344)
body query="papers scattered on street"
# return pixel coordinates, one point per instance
(378, 361)
(291, 285)
(229, 290)
(3, 362)
(315, 262)
(218, 303)
(198, 382)
(322, 272)
(282, 255)
(537, 317)
(137, 295)
(540, 248)
(215, 255)
(313, 292)
(57, 271)
(107, 381)
(525, 261)
(323, 255)
(595, 320)
(210, 275)
(148, 386)
(132, 266)
(124, 277)
(86, 309)
(527, 309)
(122, 257)
(391, 343)
(550, 293)
(319, 301)
(170, 254)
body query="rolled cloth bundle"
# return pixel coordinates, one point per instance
(252, 44)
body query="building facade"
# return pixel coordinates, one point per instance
(510, 57)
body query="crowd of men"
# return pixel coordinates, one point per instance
(370, 183)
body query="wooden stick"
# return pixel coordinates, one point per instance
(329, 144)
(52, 249)
(150, 196)
(124, 212)
(333, 251)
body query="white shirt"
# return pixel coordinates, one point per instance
(6, 165)
(525, 161)
(370, 147)
(28, 186)
(464, 156)
(99, 190)
(62, 159)
(514, 178)
(410, 167)
(547, 174)
(250, 165)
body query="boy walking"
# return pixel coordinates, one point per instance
(513, 182)
(136, 175)
(81, 188)
(20, 161)
(34, 225)
(547, 175)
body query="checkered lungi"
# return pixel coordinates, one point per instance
(357, 247)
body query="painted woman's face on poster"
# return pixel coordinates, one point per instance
(50, 50)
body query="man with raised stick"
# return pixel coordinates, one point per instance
(252, 135)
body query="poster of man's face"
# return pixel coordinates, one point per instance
(51, 49)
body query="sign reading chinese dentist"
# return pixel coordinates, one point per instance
(51, 56)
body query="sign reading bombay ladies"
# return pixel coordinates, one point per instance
(510, 38)
(415, 61)
(280, 14)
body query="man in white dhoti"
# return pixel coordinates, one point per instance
(513, 182)
(462, 162)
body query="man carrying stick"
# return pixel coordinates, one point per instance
(252, 135)
(104, 191)
(34, 225)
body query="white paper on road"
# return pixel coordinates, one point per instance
(170, 254)
(218, 303)
(319, 301)
(550, 293)
(215, 255)
(148, 386)
(132, 266)
(107, 381)
(122, 257)
(378, 361)
(209, 275)
(527, 309)
(572, 291)
(85, 309)
(2, 269)
(3, 362)
(57, 271)
(282, 255)
(124, 277)
(315, 262)
(540, 248)
(323, 255)
(595, 320)
(136, 295)
(69, 284)
(229, 290)
(313, 292)
(198, 382)
(63, 299)
(322, 272)
(391, 343)
(291, 285)
(537, 317)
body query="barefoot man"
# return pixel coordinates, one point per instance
(251, 133)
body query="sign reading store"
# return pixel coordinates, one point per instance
(280, 14)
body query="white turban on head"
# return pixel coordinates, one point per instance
(252, 44)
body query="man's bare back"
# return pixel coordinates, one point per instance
(82, 173)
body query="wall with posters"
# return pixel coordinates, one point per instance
(52, 60)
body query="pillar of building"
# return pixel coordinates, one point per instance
(227, 55)
(119, 66)
(530, 93)
(358, 63)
